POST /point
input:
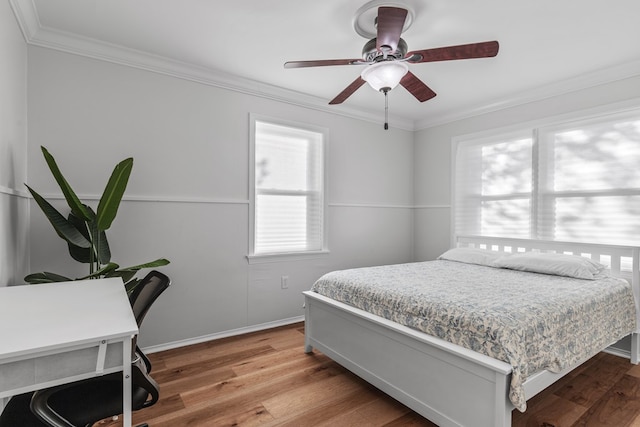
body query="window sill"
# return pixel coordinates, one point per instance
(283, 257)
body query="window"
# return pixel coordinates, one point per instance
(288, 187)
(574, 181)
(494, 186)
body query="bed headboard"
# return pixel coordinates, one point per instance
(624, 261)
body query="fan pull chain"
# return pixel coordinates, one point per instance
(386, 110)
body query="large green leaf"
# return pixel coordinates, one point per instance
(99, 242)
(45, 277)
(157, 263)
(72, 199)
(64, 228)
(126, 275)
(128, 272)
(104, 271)
(113, 192)
(131, 285)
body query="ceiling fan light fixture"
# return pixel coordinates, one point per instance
(385, 75)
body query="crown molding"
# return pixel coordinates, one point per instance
(37, 35)
(27, 17)
(585, 81)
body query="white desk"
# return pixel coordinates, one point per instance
(52, 334)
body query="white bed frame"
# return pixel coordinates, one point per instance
(446, 383)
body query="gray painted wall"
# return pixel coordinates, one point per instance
(14, 254)
(187, 198)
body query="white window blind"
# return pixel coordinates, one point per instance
(493, 189)
(288, 189)
(575, 181)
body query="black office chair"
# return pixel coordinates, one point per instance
(81, 403)
(146, 293)
(142, 297)
(85, 402)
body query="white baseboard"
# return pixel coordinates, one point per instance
(618, 352)
(219, 335)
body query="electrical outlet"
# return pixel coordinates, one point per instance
(284, 282)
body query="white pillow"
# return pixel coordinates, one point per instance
(471, 256)
(552, 263)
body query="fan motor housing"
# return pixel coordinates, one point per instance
(370, 52)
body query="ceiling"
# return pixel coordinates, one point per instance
(546, 47)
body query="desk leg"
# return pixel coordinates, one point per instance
(126, 383)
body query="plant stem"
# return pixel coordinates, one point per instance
(92, 254)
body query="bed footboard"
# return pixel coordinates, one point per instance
(454, 387)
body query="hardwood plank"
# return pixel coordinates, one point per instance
(246, 417)
(168, 404)
(193, 382)
(187, 370)
(316, 393)
(634, 371)
(225, 400)
(549, 411)
(410, 419)
(203, 351)
(585, 390)
(619, 407)
(266, 383)
(272, 361)
(330, 412)
(266, 379)
(592, 383)
(376, 412)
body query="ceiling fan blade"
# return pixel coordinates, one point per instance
(347, 92)
(463, 51)
(323, 63)
(416, 87)
(390, 25)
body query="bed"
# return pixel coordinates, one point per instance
(437, 376)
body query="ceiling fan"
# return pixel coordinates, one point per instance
(387, 59)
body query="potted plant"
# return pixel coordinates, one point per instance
(84, 229)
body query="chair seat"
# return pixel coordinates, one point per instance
(95, 396)
(17, 413)
(99, 398)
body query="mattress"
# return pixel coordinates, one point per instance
(531, 321)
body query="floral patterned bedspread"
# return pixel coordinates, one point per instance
(529, 320)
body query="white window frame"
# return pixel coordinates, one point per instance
(252, 256)
(620, 109)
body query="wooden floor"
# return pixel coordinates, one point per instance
(266, 379)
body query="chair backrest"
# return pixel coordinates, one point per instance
(147, 291)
